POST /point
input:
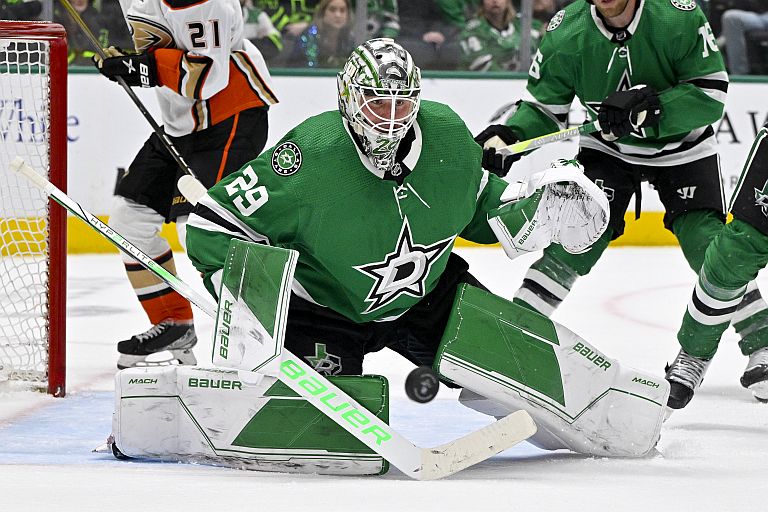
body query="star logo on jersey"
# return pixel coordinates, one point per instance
(684, 5)
(403, 271)
(556, 20)
(323, 362)
(286, 159)
(625, 83)
(761, 198)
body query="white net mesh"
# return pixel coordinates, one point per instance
(24, 255)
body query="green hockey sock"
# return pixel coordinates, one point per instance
(548, 281)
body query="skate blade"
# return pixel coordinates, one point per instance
(162, 358)
(760, 391)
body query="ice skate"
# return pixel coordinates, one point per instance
(684, 375)
(755, 376)
(166, 343)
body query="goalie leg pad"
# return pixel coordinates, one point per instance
(221, 417)
(579, 398)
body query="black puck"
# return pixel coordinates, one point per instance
(422, 385)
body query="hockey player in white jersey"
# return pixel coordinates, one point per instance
(214, 91)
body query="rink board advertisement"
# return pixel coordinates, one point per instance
(105, 129)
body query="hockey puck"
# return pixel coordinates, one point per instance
(422, 385)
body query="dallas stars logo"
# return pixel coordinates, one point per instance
(286, 159)
(403, 271)
(323, 362)
(761, 198)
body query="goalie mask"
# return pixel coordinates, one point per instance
(379, 94)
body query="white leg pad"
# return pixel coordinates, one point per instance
(579, 398)
(209, 416)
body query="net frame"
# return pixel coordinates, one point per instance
(54, 36)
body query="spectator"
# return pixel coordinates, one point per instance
(290, 17)
(457, 12)
(424, 33)
(736, 23)
(383, 18)
(259, 29)
(20, 9)
(491, 40)
(328, 41)
(108, 26)
(543, 10)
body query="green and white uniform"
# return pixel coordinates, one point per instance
(370, 248)
(669, 46)
(731, 263)
(485, 48)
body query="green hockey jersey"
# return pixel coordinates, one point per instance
(368, 248)
(485, 48)
(669, 45)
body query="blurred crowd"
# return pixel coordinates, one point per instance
(470, 35)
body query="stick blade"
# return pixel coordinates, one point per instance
(475, 447)
(191, 188)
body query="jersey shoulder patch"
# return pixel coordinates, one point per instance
(286, 158)
(684, 5)
(556, 20)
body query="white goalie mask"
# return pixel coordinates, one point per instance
(379, 95)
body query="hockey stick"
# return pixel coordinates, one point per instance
(164, 139)
(415, 462)
(536, 142)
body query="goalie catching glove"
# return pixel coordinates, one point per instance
(558, 205)
(137, 69)
(623, 112)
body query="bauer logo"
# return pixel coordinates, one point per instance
(351, 418)
(224, 330)
(286, 159)
(592, 355)
(214, 383)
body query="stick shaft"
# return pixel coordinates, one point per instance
(536, 142)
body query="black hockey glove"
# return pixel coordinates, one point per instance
(625, 111)
(138, 69)
(492, 161)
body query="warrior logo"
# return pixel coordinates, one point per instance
(286, 159)
(323, 362)
(403, 271)
(761, 198)
(686, 192)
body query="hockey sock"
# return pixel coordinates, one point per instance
(694, 231)
(549, 280)
(158, 299)
(732, 260)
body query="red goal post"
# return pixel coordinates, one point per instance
(33, 122)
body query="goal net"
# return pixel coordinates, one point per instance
(33, 80)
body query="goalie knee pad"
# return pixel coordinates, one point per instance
(579, 398)
(240, 419)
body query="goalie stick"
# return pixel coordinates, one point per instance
(536, 142)
(415, 462)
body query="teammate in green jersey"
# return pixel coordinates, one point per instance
(726, 280)
(373, 196)
(650, 71)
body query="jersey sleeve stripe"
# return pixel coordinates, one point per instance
(201, 219)
(197, 69)
(223, 217)
(251, 73)
(715, 89)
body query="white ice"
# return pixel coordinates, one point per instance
(712, 456)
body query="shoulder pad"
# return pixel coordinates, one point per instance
(684, 5)
(556, 20)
